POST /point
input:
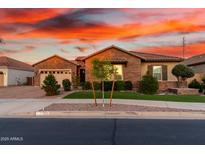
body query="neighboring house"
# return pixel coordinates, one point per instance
(130, 66)
(14, 72)
(197, 63)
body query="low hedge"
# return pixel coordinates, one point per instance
(128, 85)
(196, 85)
(86, 85)
(97, 85)
(119, 85)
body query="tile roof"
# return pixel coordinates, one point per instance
(15, 64)
(195, 60)
(156, 57)
(80, 58)
(70, 61)
(143, 56)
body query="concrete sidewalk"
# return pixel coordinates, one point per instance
(18, 106)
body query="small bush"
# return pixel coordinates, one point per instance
(108, 85)
(119, 85)
(66, 85)
(51, 86)
(149, 85)
(76, 81)
(86, 85)
(203, 80)
(196, 85)
(128, 85)
(97, 85)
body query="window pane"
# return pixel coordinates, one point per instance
(157, 72)
(119, 73)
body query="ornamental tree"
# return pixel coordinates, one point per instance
(102, 70)
(182, 73)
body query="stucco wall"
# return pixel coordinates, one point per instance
(170, 65)
(11, 76)
(14, 75)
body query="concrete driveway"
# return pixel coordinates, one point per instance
(20, 92)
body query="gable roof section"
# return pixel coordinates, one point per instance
(73, 62)
(15, 64)
(110, 47)
(195, 60)
(149, 57)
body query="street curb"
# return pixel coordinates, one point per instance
(121, 114)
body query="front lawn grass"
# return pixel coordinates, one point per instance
(134, 95)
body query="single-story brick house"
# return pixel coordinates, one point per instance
(197, 63)
(14, 72)
(130, 66)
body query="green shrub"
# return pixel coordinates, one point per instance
(97, 85)
(86, 85)
(119, 85)
(203, 80)
(108, 85)
(182, 73)
(66, 85)
(128, 85)
(50, 85)
(148, 85)
(76, 81)
(196, 85)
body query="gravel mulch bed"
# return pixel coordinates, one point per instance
(115, 107)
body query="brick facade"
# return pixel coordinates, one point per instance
(54, 62)
(131, 70)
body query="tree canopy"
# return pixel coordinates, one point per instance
(182, 71)
(102, 69)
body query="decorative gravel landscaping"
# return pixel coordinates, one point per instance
(115, 107)
(134, 95)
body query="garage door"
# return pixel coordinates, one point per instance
(59, 74)
(1, 79)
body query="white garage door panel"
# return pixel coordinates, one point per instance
(60, 75)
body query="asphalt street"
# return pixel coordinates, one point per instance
(38, 131)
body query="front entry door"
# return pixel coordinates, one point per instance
(82, 75)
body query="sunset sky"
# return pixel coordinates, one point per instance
(31, 35)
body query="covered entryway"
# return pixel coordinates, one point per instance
(60, 74)
(1, 79)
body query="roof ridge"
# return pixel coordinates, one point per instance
(154, 54)
(55, 55)
(8, 58)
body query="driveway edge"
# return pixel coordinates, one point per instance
(121, 114)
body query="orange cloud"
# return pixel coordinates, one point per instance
(28, 15)
(190, 49)
(103, 32)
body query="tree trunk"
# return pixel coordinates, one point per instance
(94, 94)
(113, 85)
(103, 94)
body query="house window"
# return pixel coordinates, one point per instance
(157, 72)
(119, 72)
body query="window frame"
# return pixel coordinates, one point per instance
(122, 70)
(161, 76)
